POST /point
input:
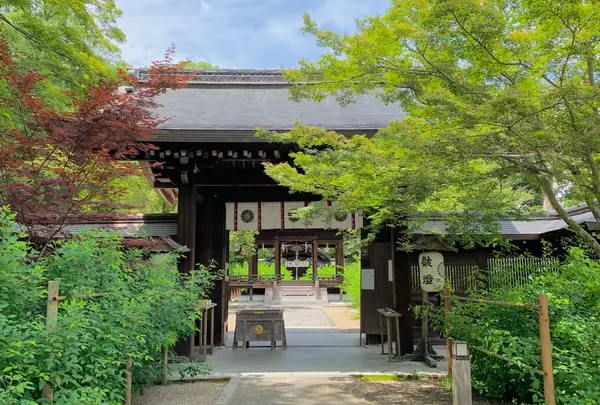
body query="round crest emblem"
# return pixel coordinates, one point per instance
(292, 215)
(247, 216)
(258, 329)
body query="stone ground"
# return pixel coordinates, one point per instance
(344, 318)
(284, 390)
(182, 393)
(324, 356)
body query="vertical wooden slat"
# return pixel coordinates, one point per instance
(546, 345)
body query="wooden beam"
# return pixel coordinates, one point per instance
(160, 185)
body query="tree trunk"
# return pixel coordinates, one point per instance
(575, 227)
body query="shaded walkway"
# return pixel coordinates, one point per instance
(315, 347)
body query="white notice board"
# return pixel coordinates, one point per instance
(367, 279)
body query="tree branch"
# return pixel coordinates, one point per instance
(546, 184)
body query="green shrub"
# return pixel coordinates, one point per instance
(574, 304)
(351, 284)
(148, 306)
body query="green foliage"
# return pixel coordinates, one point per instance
(145, 305)
(502, 100)
(351, 284)
(264, 269)
(71, 43)
(140, 196)
(574, 304)
(241, 245)
(200, 65)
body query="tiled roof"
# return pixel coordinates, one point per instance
(231, 76)
(512, 227)
(148, 225)
(248, 108)
(220, 100)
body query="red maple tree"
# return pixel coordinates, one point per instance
(56, 167)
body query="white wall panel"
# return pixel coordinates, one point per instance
(271, 215)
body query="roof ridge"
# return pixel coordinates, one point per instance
(212, 75)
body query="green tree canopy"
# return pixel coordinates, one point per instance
(71, 43)
(199, 65)
(500, 94)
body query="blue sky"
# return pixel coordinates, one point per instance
(250, 34)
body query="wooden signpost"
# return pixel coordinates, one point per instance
(432, 277)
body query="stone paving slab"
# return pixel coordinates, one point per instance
(325, 360)
(299, 390)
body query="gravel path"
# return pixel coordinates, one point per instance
(344, 318)
(273, 390)
(185, 393)
(411, 392)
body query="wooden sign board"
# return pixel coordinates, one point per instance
(432, 271)
(367, 279)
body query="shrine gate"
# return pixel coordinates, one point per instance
(211, 164)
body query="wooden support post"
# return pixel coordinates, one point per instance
(315, 259)
(546, 344)
(461, 380)
(204, 337)
(315, 268)
(447, 307)
(339, 265)
(52, 308)
(253, 266)
(277, 259)
(165, 365)
(129, 380)
(186, 225)
(402, 292)
(212, 331)
(51, 319)
(190, 342)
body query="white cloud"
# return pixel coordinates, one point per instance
(232, 33)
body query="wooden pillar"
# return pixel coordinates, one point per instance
(253, 265)
(339, 257)
(315, 259)
(211, 249)
(402, 293)
(277, 259)
(186, 225)
(186, 236)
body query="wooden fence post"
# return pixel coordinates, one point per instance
(51, 319)
(129, 380)
(447, 306)
(546, 346)
(165, 365)
(461, 382)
